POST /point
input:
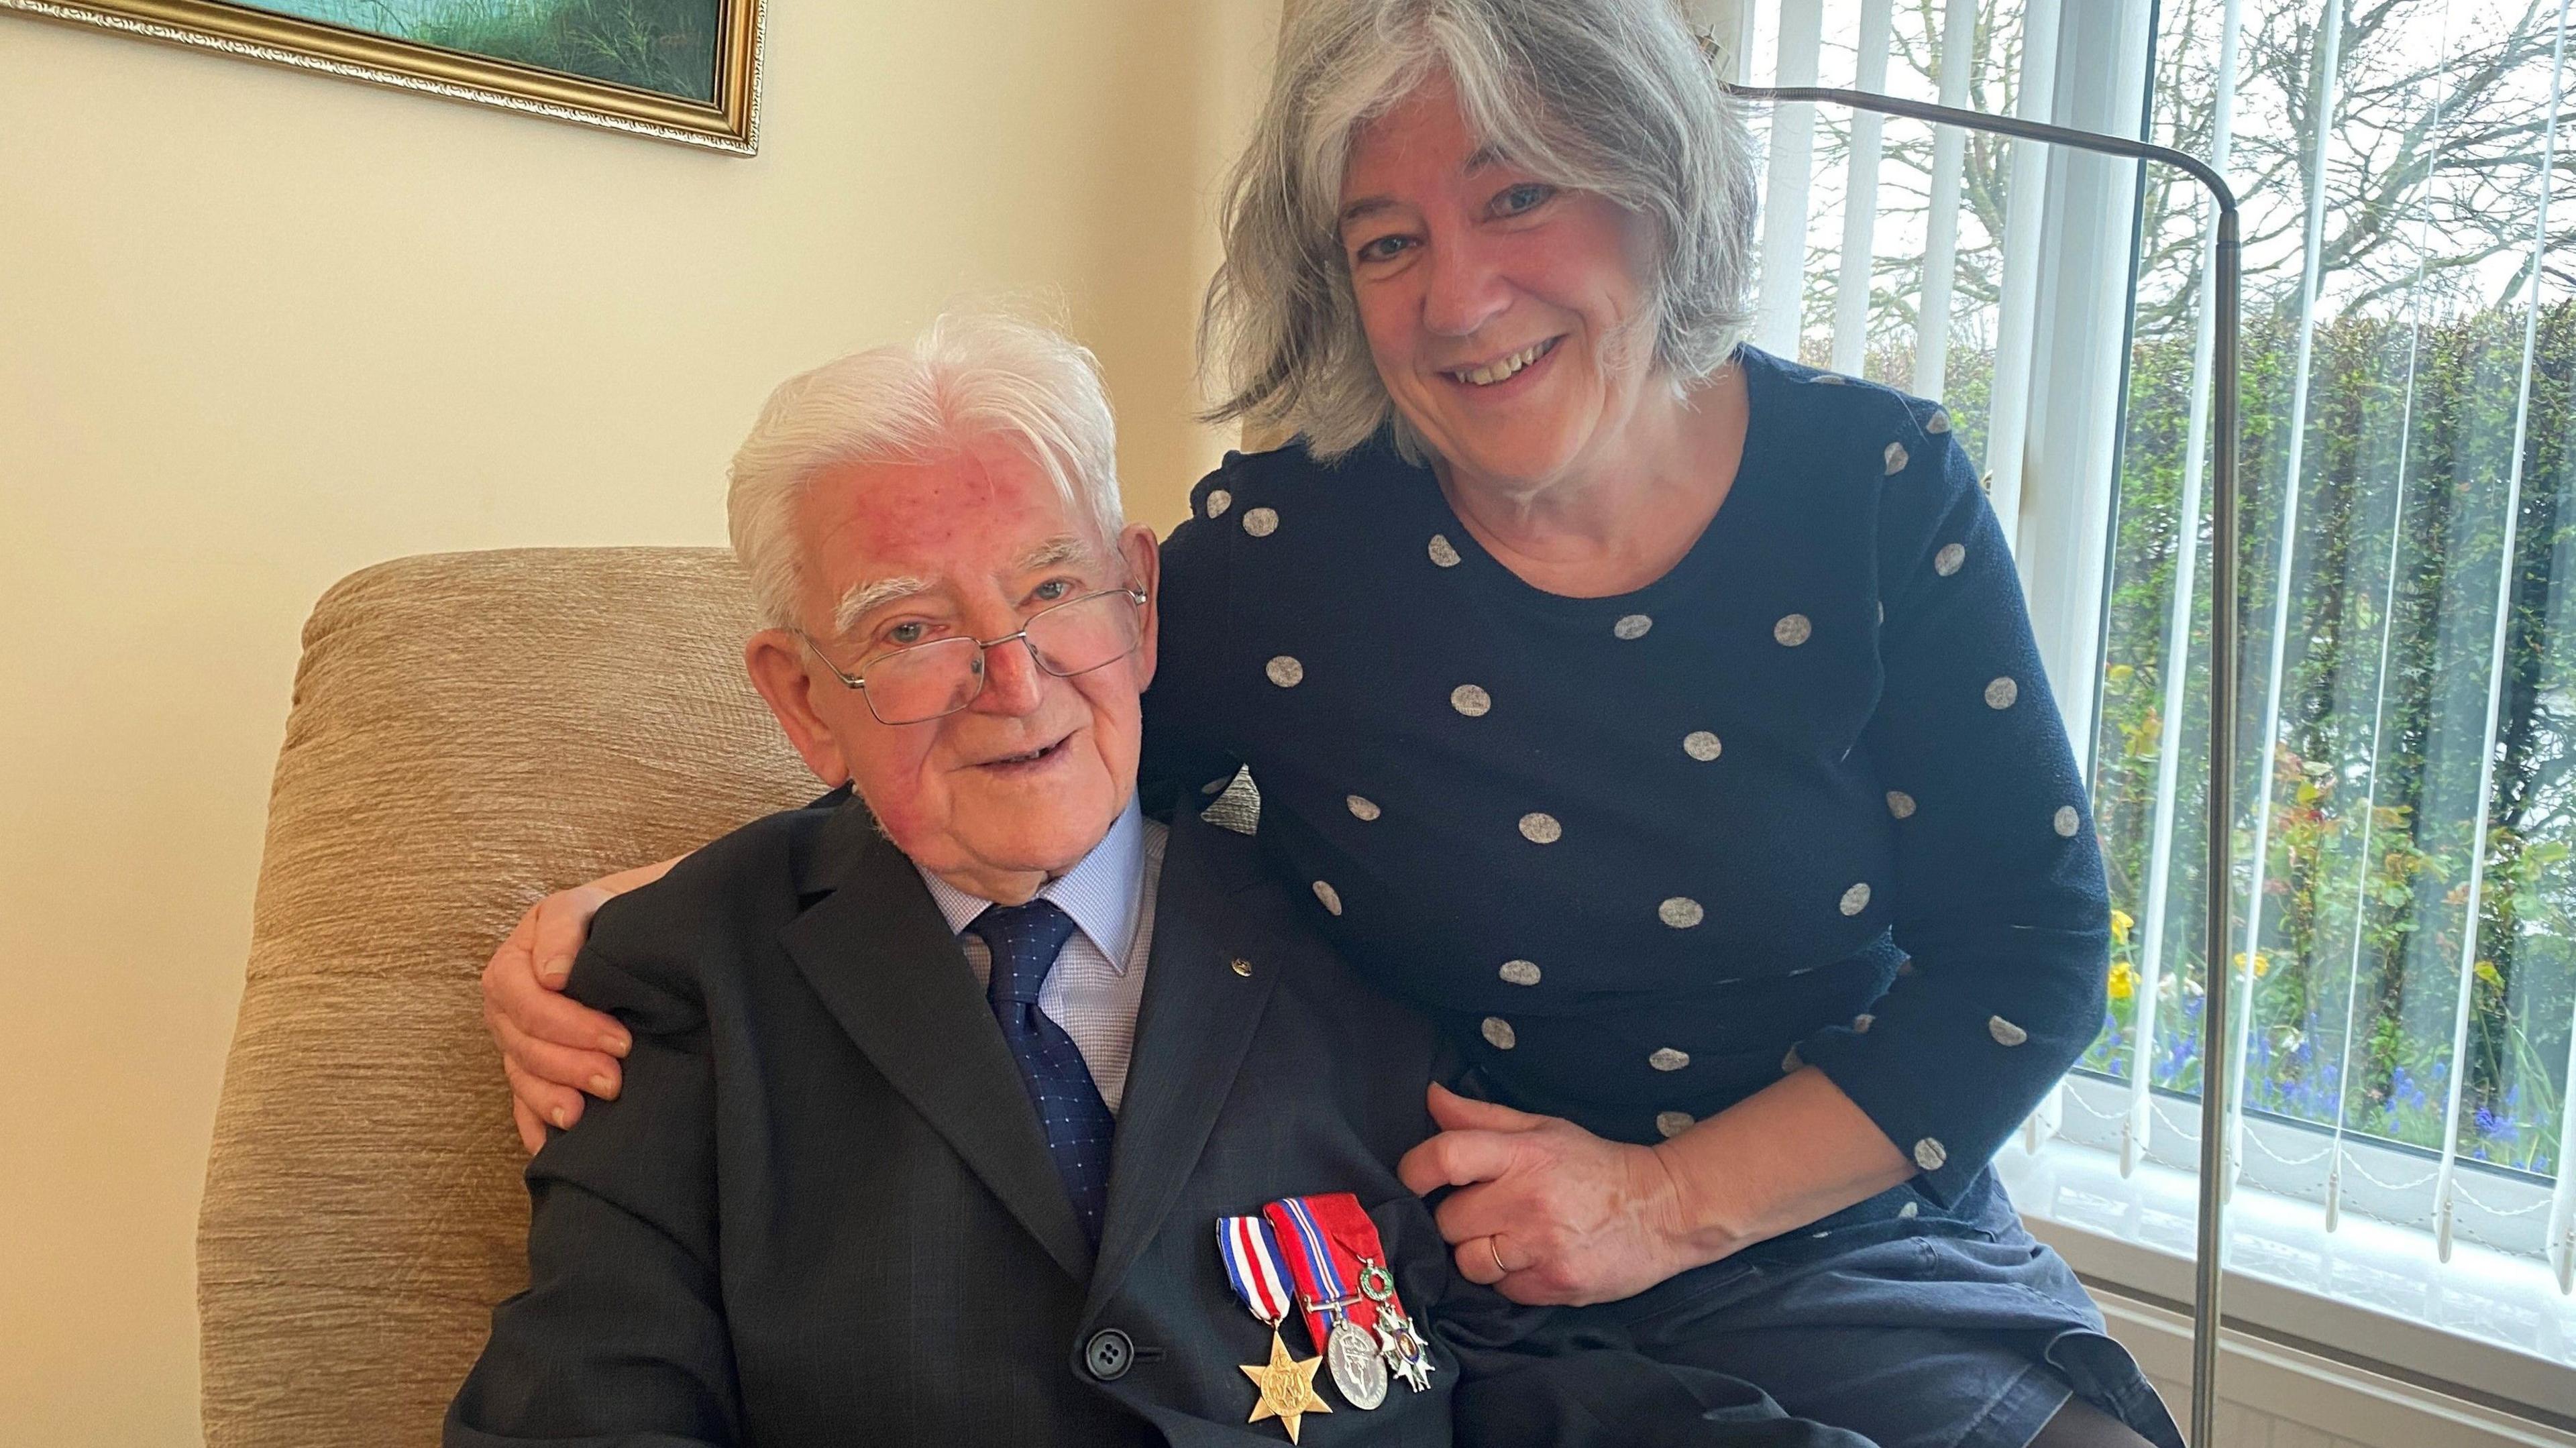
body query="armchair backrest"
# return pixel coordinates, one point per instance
(469, 731)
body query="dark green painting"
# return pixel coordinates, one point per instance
(667, 47)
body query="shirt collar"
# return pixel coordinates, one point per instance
(1100, 892)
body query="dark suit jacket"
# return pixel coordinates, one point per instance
(822, 1210)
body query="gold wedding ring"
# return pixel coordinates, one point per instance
(1497, 1254)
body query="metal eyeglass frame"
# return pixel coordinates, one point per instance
(859, 682)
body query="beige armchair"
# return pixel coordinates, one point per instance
(469, 731)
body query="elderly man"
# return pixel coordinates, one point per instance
(957, 1101)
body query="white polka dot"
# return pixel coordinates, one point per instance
(1947, 561)
(1680, 912)
(1634, 626)
(1855, 899)
(1895, 458)
(1793, 630)
(1791, 1062)
(1470, 700)
(1939, 422)
(1260, 522)
(2001, 693)
(1218, 501)
(1331, 897)
(1362, 807)
(1669, 1124)
(1541, 829)
(2005, 1032)
(1666, 1058)
(1862, 1022)
(1499, 1033)
(2068, 821)
(1900, 804)
(1701, 745)
(1520, 972)
(1442, 553)
(1830, 378)
(1909, 1210)
(1284, 671)
(1214, 786)
(1929, 1154)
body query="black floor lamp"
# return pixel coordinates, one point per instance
(2214, 1063)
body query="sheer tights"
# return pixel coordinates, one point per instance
(2081, 1425)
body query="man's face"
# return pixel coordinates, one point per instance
(1017, 786)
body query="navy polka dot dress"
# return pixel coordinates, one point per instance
(1805, 800)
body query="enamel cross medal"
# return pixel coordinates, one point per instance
(1252, 1267)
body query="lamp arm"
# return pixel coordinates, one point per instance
(2228, 303)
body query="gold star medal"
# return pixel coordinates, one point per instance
(1253, 1269)
(1287, 1388)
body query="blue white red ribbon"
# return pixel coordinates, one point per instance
(1252, 1266)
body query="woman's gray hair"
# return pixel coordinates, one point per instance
(969, 375)
(1608, 96)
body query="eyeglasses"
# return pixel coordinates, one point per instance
(929, 681)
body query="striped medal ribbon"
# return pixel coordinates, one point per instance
(1324, 1275)
(1261, 1283)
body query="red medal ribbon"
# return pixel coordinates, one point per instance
(1335, 1224)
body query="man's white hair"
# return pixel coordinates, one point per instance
(970, 375)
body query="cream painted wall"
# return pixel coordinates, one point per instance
(260, 328)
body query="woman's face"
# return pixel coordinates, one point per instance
(1494, 302)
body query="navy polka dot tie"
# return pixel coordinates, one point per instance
(1025, 940)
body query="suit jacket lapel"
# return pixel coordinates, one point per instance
(878, 952)
(1192, 1030)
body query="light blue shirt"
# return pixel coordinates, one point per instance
(1098, 979)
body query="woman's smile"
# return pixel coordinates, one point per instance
(1505, 376)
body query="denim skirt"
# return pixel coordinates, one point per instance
(1901, 1321)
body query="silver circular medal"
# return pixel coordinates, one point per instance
(1357, 1369)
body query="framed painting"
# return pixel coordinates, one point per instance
(677, 70)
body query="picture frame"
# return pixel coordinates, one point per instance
(646, 83)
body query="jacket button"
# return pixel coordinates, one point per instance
(1109, 1354)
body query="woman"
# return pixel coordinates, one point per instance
(1660, 716)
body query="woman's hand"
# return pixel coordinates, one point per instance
(554, 1049)
(1548, 1213)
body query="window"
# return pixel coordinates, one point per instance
(2406, 837)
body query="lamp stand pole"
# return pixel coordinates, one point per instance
(2214, 1033)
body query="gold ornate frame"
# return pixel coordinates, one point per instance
(731, 123)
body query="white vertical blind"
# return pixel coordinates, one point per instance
(2017, 324)
(1782, 295)
(1941, 224)
(2135, 1133)
(2445, 1192)
(1860, 193)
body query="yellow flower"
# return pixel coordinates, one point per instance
(2124, 981)
(2118, 674)
(2120, 923)
(2262, 963)
(2487, 972)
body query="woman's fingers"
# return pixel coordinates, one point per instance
(532, 1132)
(558, 925)
(1453, 1112)
(1454, 1159)
(1481, 1260)
(560, 1105)
(511, 992)
(591, 1071)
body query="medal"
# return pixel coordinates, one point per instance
(1286, 1386)
(1397, 1341)
(1317, 1265)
